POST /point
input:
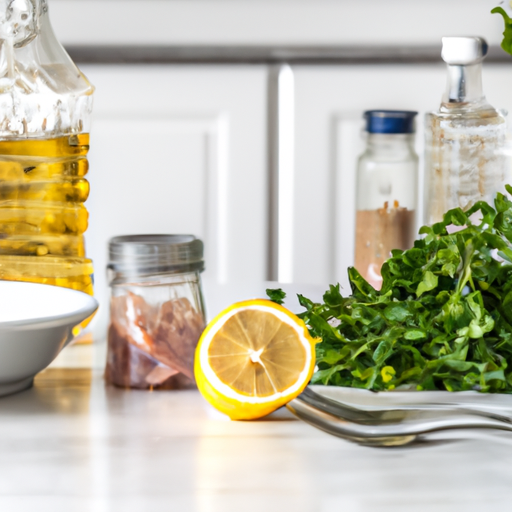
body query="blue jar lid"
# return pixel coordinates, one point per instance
(390, 121)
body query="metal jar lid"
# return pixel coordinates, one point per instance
(144, 255)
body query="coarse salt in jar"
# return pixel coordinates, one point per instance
(156, 311)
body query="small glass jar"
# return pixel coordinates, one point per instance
(156, 311)
(386, 197)
(465, 155)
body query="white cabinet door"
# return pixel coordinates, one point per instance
(180, 150)
(329, 102)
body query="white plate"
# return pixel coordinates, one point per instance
(387, 400)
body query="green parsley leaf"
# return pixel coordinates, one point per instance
(276, 295)
(506, 44)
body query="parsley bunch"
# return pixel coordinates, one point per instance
(442, 320)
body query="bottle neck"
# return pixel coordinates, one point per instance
(464, 84)
(395, 144)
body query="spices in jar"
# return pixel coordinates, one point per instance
(378, 232)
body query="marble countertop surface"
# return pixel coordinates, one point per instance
(73, 444)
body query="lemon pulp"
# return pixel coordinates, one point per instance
(256, 354)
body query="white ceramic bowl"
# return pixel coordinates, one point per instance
(36, 323)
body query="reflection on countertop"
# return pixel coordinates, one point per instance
(73, 444)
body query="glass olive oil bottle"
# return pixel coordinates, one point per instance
(45, 107)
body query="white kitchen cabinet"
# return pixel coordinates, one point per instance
(183, 148)
(329, 102)
(192, 156)
(180, 150)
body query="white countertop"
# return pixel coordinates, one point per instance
(71, 444)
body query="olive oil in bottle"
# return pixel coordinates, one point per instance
(45, 108)
(42, 216)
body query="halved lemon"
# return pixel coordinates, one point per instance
(253, 358)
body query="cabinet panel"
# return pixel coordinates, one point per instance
(329, 103)
(180, 150)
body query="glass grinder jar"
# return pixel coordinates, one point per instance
(465, 161)
(386, 196)
(156, 312)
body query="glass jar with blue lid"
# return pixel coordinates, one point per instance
(386, 195)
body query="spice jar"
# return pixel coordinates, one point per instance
(386, 202)
(156, 312)
(465, 157)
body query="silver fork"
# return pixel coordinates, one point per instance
(387, 428)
